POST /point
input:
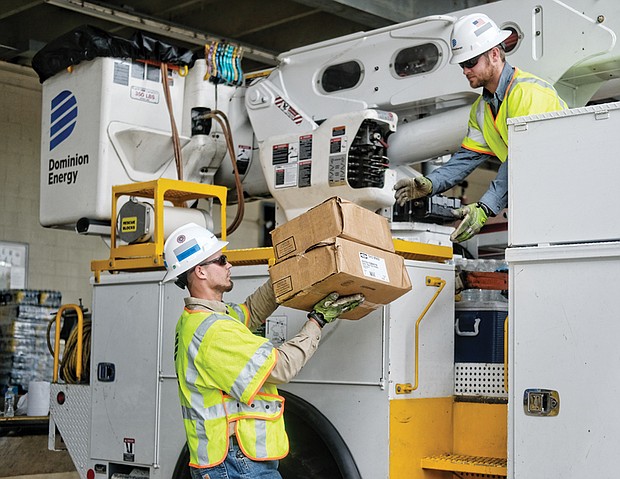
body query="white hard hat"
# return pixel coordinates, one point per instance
(188, 246)
(473, 35)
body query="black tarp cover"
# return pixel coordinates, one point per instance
(88, 42)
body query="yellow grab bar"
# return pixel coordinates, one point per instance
(430, 281)
(80, 326)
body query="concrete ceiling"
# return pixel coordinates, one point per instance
(264, 28)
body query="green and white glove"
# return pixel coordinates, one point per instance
(412, 188)
(474, 217)
(332, 306)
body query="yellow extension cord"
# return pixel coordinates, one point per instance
(68, 364)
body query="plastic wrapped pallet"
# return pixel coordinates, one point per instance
(24, 318)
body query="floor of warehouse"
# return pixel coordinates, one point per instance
(58, 475)
(27, 456)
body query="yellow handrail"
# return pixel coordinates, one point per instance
(80, 326)
(430, 281)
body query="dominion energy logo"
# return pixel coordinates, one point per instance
(63, 118)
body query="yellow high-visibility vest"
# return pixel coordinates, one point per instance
(526, 95)
(221, 369)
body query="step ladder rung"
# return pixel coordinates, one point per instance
(492, 466)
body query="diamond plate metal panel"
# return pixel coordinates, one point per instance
(72, 420)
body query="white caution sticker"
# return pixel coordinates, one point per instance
(285, 176)
(275, 330)
(129, 454)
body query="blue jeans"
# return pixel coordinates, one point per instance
(238, 466)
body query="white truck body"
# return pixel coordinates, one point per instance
(564, 279)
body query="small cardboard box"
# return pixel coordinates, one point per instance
(343, 266)
(333, 218)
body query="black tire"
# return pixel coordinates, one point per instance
(181, 469)
(317, 449)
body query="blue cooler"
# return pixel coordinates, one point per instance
(479, 331)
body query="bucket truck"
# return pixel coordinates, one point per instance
(383, 397)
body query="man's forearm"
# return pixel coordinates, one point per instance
(261, 304)
(461, 164)
(295, 353)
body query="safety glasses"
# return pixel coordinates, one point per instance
(471, 63)
(220, 260)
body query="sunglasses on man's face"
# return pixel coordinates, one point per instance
(220, 260)
(471, 63)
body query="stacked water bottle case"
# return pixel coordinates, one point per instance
(24, 319)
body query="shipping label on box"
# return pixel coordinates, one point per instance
(374, 267)
(332, 218)
(345, 267)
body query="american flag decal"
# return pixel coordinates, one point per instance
(288, 110)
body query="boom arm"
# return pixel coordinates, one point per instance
(336, 105)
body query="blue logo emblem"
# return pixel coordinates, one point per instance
(453, 43)
(63, 117)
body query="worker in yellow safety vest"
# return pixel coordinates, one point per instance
(507, 92)
(232, 412)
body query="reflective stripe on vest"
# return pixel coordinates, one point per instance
(239, 312)
(206, 409)
(489, 135)
(246, 374)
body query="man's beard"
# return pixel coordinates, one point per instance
(226, 288)
(482, 79)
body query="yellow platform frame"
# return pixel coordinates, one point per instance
(149, 256)
(146, 256)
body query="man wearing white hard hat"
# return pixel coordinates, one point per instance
(232, 412)
(507, 92)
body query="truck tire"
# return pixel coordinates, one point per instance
(181, 469)
(317, 450)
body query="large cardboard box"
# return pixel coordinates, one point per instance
(333, 218)
(343, 266)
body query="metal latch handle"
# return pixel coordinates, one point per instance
(475, 332)
(541, 402)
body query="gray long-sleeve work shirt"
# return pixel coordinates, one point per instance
(464, 161)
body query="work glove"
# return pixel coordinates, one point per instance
(332, 306)
(474, 217)
(412, 188)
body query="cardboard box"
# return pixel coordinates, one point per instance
(333, 218)
(343, 266)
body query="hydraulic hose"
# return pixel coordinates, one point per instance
(176, 142)
(222, 119)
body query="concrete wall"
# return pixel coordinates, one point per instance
(58, 260)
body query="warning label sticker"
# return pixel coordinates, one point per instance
(285, 176)
(339, 130)
(288, 110)
(305, 174)
(305, 147)
(128, 450)
(337, 170)
(129, 224)
(279, 154)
